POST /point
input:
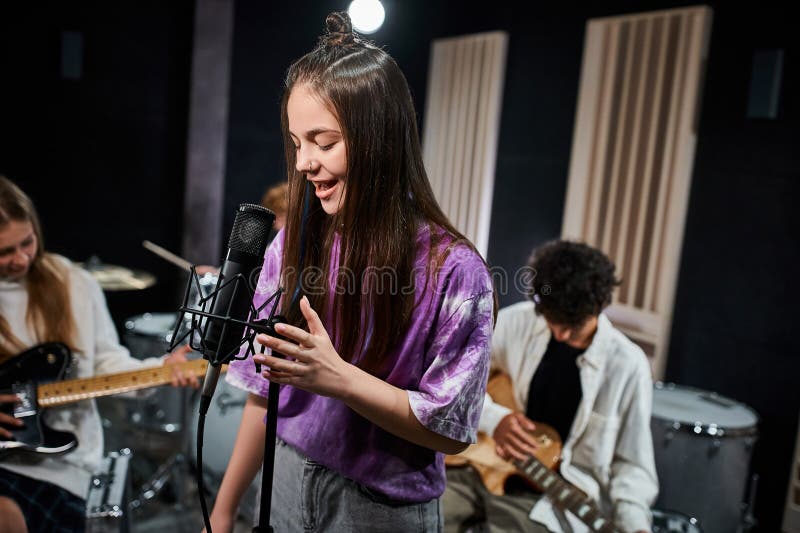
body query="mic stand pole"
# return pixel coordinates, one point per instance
(268, 467)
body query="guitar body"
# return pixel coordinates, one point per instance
(21, 375)
(494, 471)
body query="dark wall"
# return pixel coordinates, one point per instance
(263, 46)
(102, 156)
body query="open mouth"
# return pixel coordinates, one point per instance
(325, 188)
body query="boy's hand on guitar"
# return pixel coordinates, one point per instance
(513, 439)
(179, 378)
(7, 419)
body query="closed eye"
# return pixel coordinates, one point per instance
(326, 147)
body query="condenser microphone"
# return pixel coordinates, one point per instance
(234, 292)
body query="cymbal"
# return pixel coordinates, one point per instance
(118, 278)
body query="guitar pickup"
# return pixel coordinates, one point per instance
(26, 396)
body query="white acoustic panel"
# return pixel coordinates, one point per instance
(462, 125)
(632, 157)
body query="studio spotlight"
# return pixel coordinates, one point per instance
(367, 15)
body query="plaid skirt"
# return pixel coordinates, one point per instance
(47, 508)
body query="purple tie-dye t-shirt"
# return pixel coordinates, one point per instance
(442, 362)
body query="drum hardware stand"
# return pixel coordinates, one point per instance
(170, 469)
(176, 468)
(108, 493)
(749, 520)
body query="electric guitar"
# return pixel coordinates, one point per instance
(36, 378)
(538, 470)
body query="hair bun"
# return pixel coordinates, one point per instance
(339, 29)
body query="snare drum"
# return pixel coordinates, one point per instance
(703, 443)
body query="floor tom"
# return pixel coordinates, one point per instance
(703, 443)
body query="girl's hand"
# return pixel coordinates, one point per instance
(311, 361)
(8, 420)
(179, 378)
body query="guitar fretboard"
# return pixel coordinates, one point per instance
(73, 390)
(565, 496)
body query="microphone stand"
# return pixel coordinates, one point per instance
(213, 371)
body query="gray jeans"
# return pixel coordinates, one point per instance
(307, 496)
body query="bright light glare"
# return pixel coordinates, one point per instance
(367, 15)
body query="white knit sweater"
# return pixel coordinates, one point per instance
(100, 353)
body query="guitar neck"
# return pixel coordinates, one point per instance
(73, 390)
(564, 495)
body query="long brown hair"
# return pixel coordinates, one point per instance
(49, 313)
(387, 198)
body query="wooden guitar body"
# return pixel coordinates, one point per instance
(494, 471)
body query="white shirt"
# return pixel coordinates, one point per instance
(100, 353)
(609, 451)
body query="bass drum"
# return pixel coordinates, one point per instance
(670, 522)
(221, 426)
(703, 443)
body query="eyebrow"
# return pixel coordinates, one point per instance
(317, 131)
